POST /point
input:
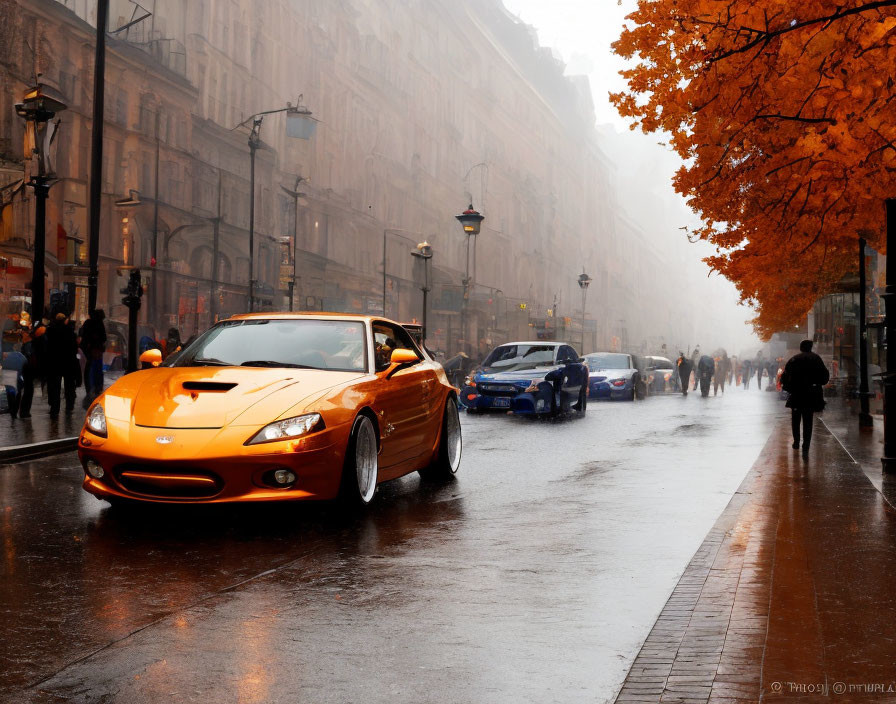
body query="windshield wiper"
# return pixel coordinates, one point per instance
(272, 363)
(207, 362)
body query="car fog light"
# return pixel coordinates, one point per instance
(284, 476)
(539, 404)
(94, 469)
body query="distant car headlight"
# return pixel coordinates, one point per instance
(96, 420)
(617, 382)
(288, 429)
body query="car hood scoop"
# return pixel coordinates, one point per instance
(209, 385)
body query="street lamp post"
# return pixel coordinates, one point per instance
(584, 281)
(299, 124)
(471, 221)
(96, 153)
(38, 108)
(424, 252)
(253, 147)
(295, 195)
(865, 419)
(888, 461)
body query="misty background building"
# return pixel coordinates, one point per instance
(424, 106)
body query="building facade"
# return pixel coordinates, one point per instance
(421, 112)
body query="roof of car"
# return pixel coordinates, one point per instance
(306, 315)
(533, 342)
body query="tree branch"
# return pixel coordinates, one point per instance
(766, 37)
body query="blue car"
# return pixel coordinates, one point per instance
(612, 375)
(529, 378)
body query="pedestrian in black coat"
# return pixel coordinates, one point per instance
(93, 343)
(747, 372)
(684, 372)
(35, 351)
(804, 376)
(62, 359)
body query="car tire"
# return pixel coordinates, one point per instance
(447, 460)
(582, 404)
(360, 470)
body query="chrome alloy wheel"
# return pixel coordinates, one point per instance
(453, 435)
(366, 460)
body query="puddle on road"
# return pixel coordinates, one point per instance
(591, 470)
(694, 427)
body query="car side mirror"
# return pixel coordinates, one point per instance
(400, 358)
(582, 360)
(150, 358)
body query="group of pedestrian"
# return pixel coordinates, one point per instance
(770, 368)
(60, 358)
(708, 371)
(718, 370)
(802, 379)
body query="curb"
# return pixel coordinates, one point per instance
(33, 450)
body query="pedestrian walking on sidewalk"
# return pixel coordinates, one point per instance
(13, 364)
(803, 378)
(35, 351)
(62, 360)
(93, 344)
(747, 372)
(172, 343)
(684, 372)
(723, 369)
(705, 369)
(695, 363)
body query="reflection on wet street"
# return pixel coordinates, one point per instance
(535, 576)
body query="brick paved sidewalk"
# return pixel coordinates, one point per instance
(792, 596)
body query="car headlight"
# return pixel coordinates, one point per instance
(469, 382)
(533, 387)
(96, 420)
(287, 429)
(617, 382)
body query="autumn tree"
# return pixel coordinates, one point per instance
(783, 112)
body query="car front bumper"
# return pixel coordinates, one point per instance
(210, 465)
(605, 390)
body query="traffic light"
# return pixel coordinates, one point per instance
(133, 291)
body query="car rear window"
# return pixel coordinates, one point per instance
(608, 361)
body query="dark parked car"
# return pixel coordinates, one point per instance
(529, 378)
(662, 376)
(614, 375)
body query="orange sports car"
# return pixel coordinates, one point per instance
(274, 406)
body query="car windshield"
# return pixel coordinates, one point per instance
(303, 344)
(608, 361)
(515, 357)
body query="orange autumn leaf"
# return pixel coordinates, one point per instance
(783, 114)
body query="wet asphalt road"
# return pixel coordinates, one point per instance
(534, 577)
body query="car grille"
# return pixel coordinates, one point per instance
(499, 389)
(174, 482)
